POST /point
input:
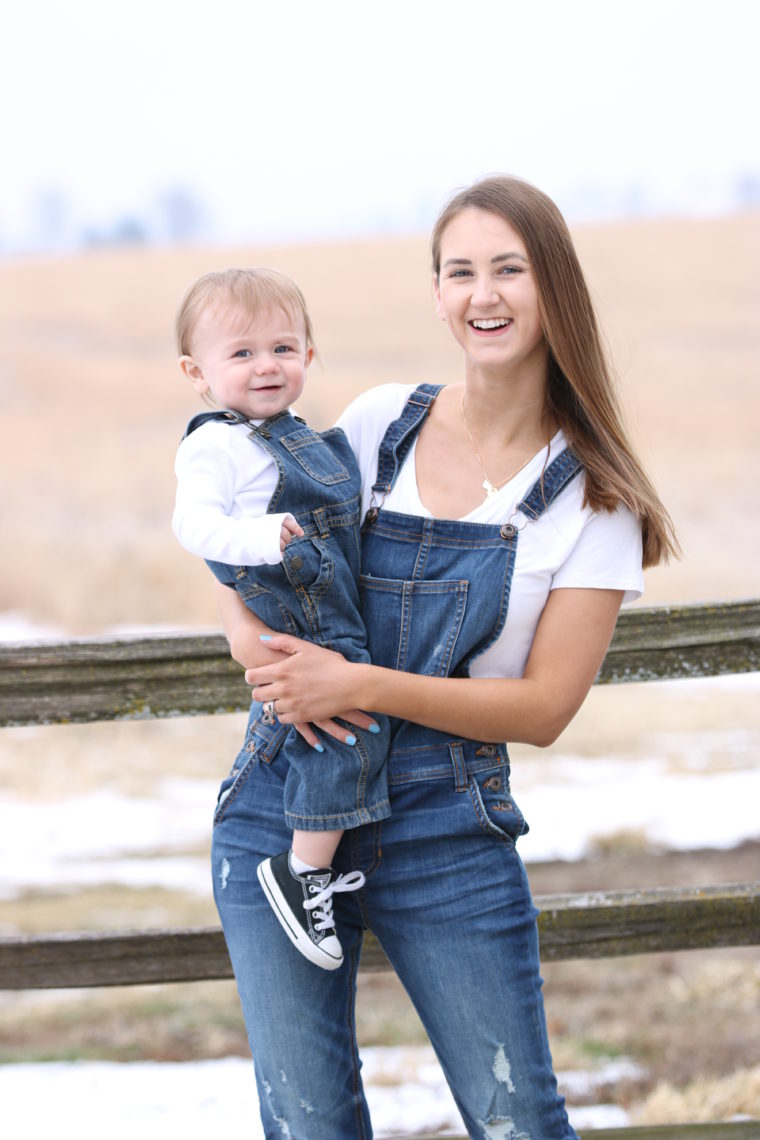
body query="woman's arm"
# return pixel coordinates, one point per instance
(310, 683)
(244, 631)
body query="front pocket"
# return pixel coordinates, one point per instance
(228, 785)
(413, 626)
(309, 567)
(494, 805)
(261, 745)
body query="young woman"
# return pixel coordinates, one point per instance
(506, 519)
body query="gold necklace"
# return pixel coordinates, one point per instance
(490, 488)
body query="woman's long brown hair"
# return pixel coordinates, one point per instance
(580, 391)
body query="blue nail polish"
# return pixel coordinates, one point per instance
(350, 740)
(264, 637)
(374, 728)
(318, 748)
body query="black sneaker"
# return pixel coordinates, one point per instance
(303, 906)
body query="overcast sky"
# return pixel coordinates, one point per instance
(319, 118)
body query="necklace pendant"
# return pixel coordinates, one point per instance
(489, 488)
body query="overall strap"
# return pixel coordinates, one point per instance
(229, 417)
(401, 434)
(208, 417)
(554, 480)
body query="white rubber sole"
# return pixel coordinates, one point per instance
(295, 933)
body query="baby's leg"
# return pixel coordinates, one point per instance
(299, 885)
(315, 848)
(344, 789)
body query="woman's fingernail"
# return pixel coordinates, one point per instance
(374, 728)
(318, 747)
(265, 637)
(350, 740)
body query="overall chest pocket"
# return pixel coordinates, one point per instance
(315, 456)
(411, 625)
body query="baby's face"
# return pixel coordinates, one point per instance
(252, 363)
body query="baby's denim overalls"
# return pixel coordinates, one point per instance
(446, 892)
(313, 593)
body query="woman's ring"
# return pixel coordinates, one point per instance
(269, 715)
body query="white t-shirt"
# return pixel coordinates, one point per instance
(569, 546)
(224, 483)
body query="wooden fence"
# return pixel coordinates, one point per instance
(162, 676)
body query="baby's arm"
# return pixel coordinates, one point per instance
(207, 521)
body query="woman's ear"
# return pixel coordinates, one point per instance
(438, 302)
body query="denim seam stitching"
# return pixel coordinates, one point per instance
(234, 791)
(484, 820)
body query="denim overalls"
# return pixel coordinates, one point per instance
(313, 593)
(446, 892)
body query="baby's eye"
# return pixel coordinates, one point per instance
(283, 348)
(242, 352)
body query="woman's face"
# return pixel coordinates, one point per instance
(486, 294)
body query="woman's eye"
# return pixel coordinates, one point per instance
(508, 270)
(460, 273)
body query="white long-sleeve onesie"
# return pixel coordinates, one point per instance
(224, 484)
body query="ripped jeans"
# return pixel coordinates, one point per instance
(447, 896)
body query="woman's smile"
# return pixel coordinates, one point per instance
(492, 326)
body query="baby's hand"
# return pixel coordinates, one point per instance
(290, 530)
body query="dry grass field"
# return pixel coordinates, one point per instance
(92, 409)
(93, 405)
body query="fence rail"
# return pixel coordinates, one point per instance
(603, 924)
(181, 675)
(185, 675)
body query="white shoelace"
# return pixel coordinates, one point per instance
(322, 901)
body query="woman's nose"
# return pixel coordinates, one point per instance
(483, 291)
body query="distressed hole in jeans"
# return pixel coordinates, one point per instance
(502, 1128)
(224, 873)
(502, 1069)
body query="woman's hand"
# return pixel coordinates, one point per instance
(246, 634)
(308, 683)
(331, 727)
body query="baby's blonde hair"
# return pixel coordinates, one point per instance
(249, 289)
